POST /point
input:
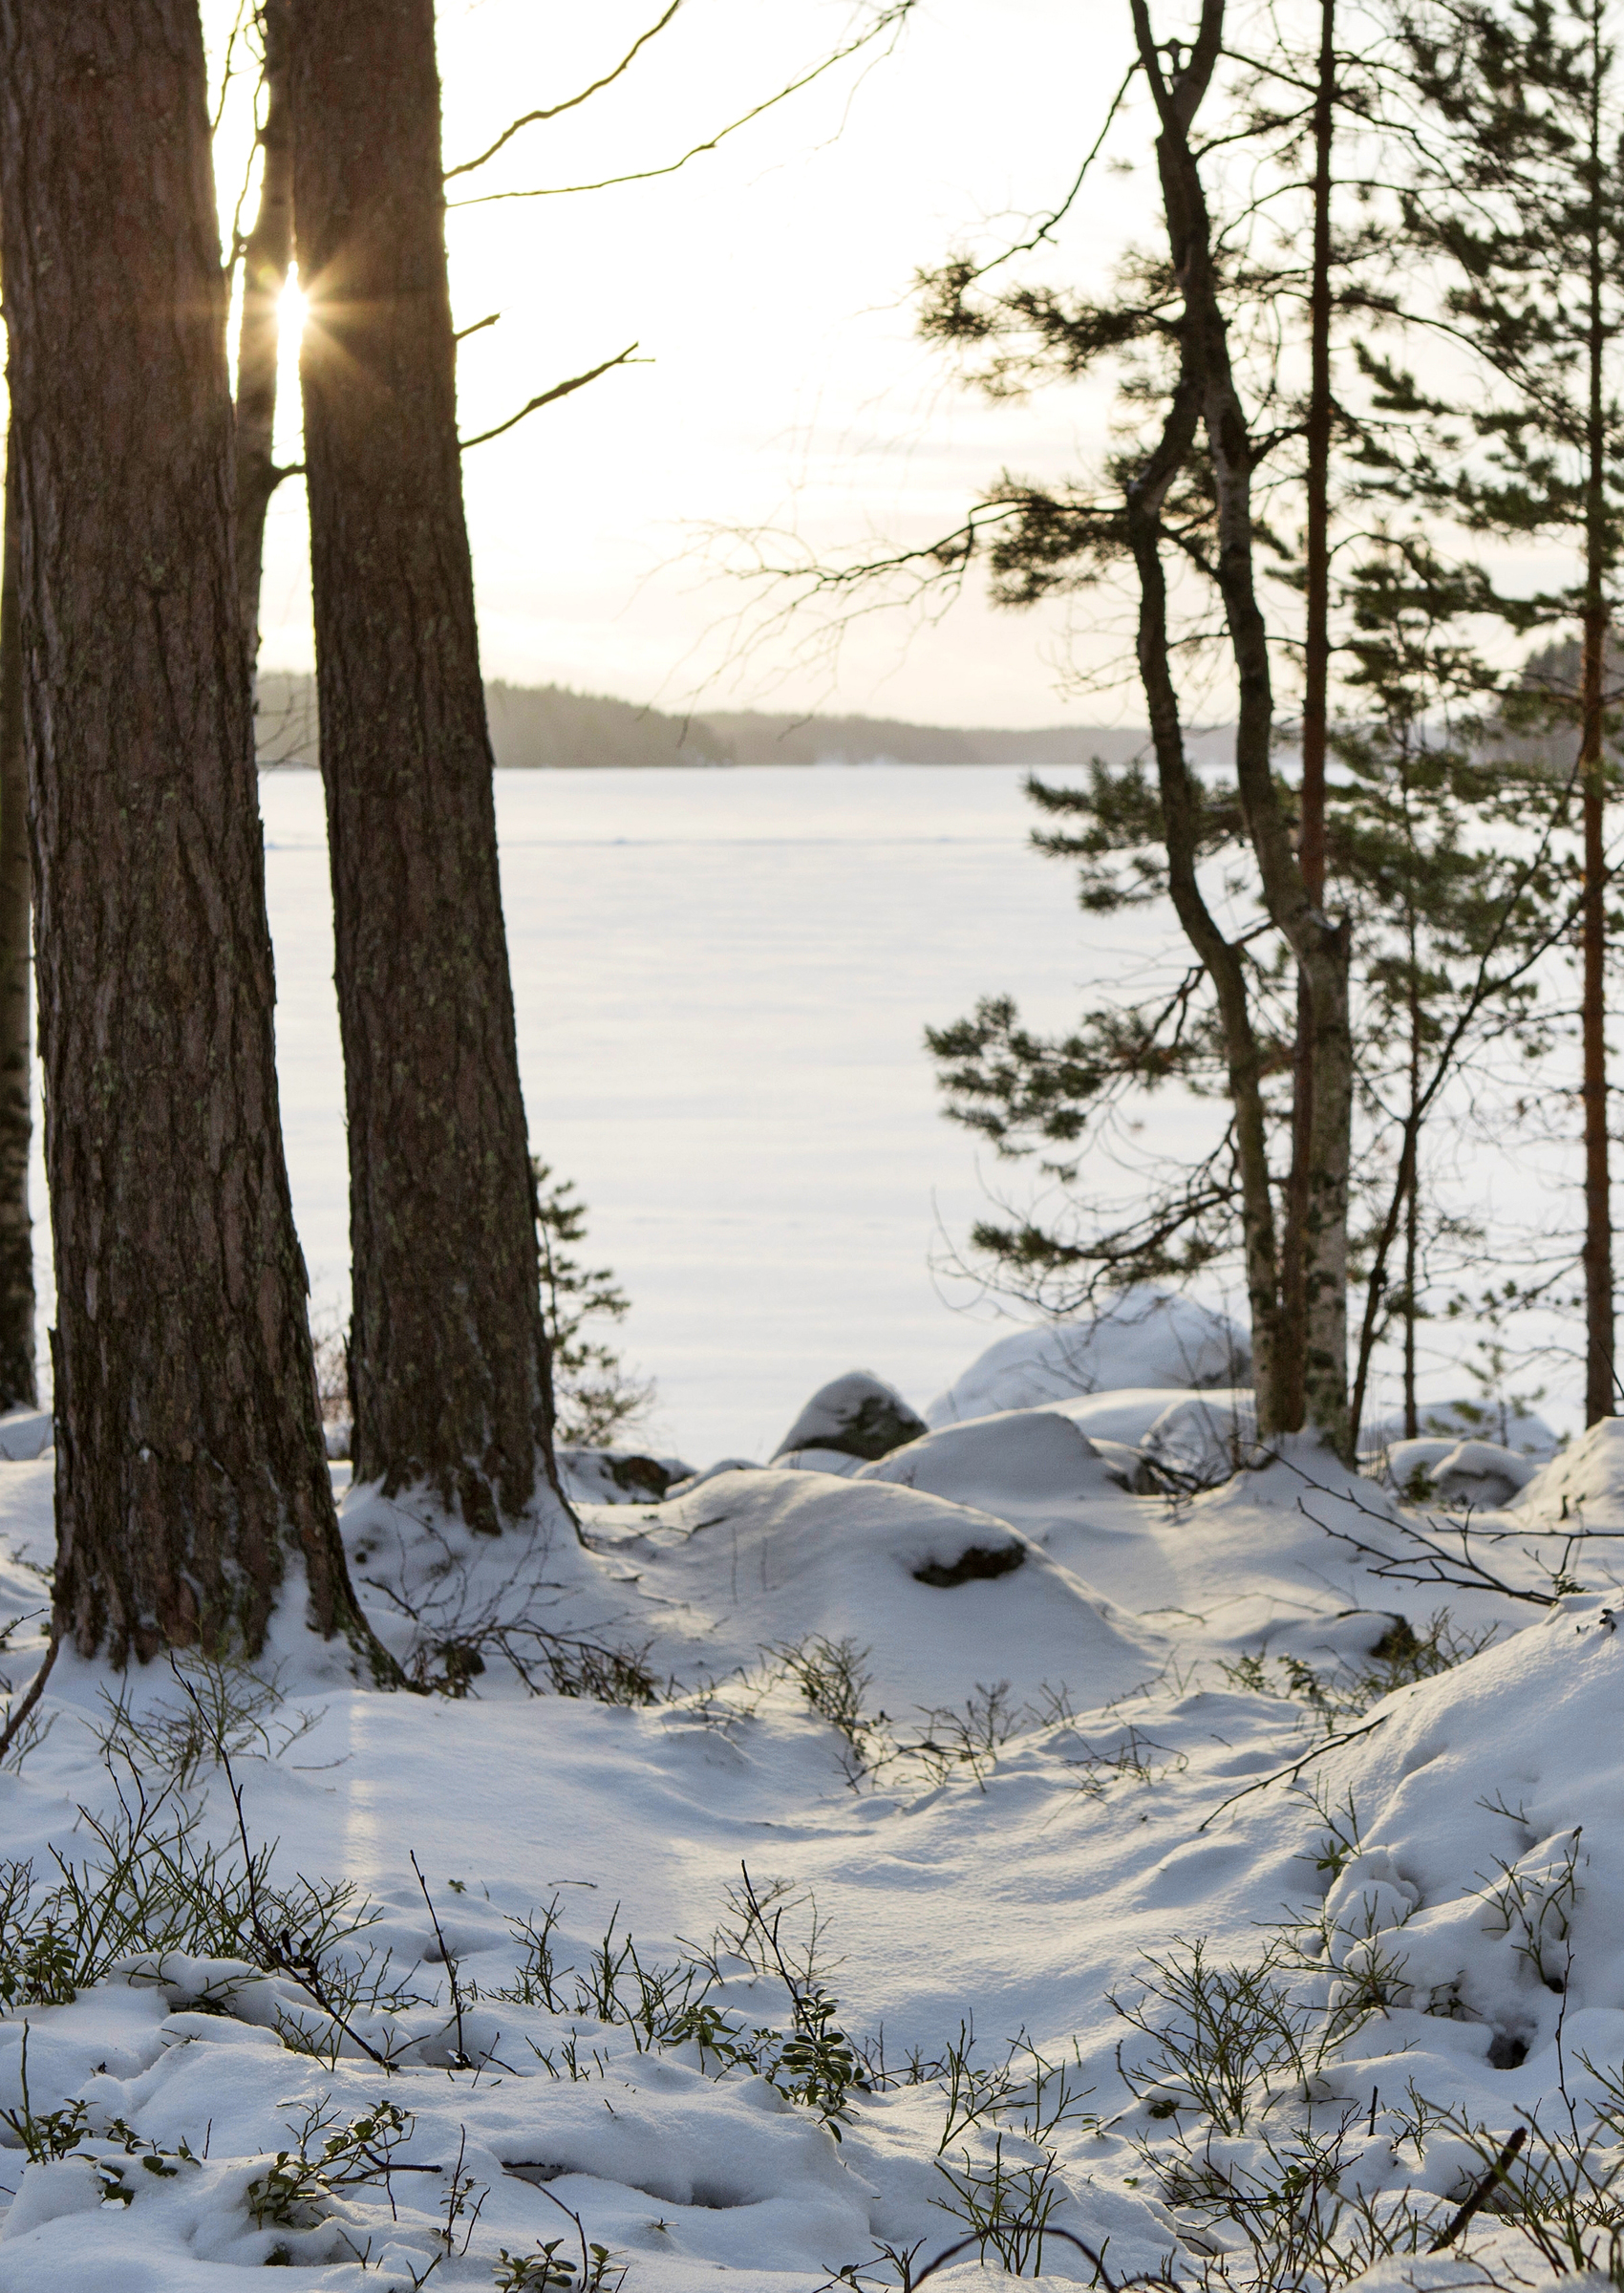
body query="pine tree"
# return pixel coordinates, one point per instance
(1526, 215)
(596, 1395)
(448, 1356)
(191, 1479)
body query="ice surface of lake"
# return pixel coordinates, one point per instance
(722, 979)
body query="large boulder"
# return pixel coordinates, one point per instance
(1145, 1336)
(855, 1416)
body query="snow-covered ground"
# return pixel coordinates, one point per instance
(1184, 1882)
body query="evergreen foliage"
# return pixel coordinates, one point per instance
(595, 1396)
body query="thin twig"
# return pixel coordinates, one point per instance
(1348, 1736)
(1482, 2191)
(559, 390)
(446, 1961)
(531, 119)
(20, 1712)
(275, 1951)
(889, 19)
(1102, 2276)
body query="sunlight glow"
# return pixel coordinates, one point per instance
(290, 308)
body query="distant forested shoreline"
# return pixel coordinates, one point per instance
(549, 727)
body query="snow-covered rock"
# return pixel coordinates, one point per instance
(1202, 1438)
(1145, 1338)
(859, 1415)
(1466, 1419)
(1408, 1465)
(617, 1476)
(1482, 1472)
(1120, 1413)
(1022, 1457)
(939, 1594)
(1443, 1471)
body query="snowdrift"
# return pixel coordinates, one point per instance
(1081, 1726)
(1147, 1336)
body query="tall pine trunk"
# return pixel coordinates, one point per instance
(448, 1357)
(1316, 667)
(17, 1376)
(1600, 1384)
(267, 254)
(190, 1475)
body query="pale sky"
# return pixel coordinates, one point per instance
(769, 284)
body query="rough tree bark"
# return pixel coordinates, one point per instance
(1600, 1375)
(1316, 680)
(190, 1473)
(448, 1357)
(17, 1375)
(1320, 946)
(267, 254)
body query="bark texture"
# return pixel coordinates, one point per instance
(17, 1377)
(1316, 680)
(448, 1357)
(189, 1464)
(1601, 1383)
(267, 255)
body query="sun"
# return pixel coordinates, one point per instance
(292, 305)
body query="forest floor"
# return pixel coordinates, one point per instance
(813, 1870)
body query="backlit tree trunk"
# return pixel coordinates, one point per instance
(267, 254)
(448, 1358)
(190, 1473)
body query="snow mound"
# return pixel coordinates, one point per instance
(1478, 1473)
(858, 1415)
(940, 1596)
(1202, 1438)
(1588, 1478)
(1523, 1430)
(1147, 1336)
(1124, 1414)
(1489, 1863)
(25, 1434)
(1022, 1457)
(617, 1476)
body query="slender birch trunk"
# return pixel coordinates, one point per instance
(1320, 946)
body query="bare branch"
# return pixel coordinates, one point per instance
(1046, 228)
(1294, 1768)
(889, 19)
(559, 390)
(530, 118)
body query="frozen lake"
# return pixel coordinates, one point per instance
(721, 980)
